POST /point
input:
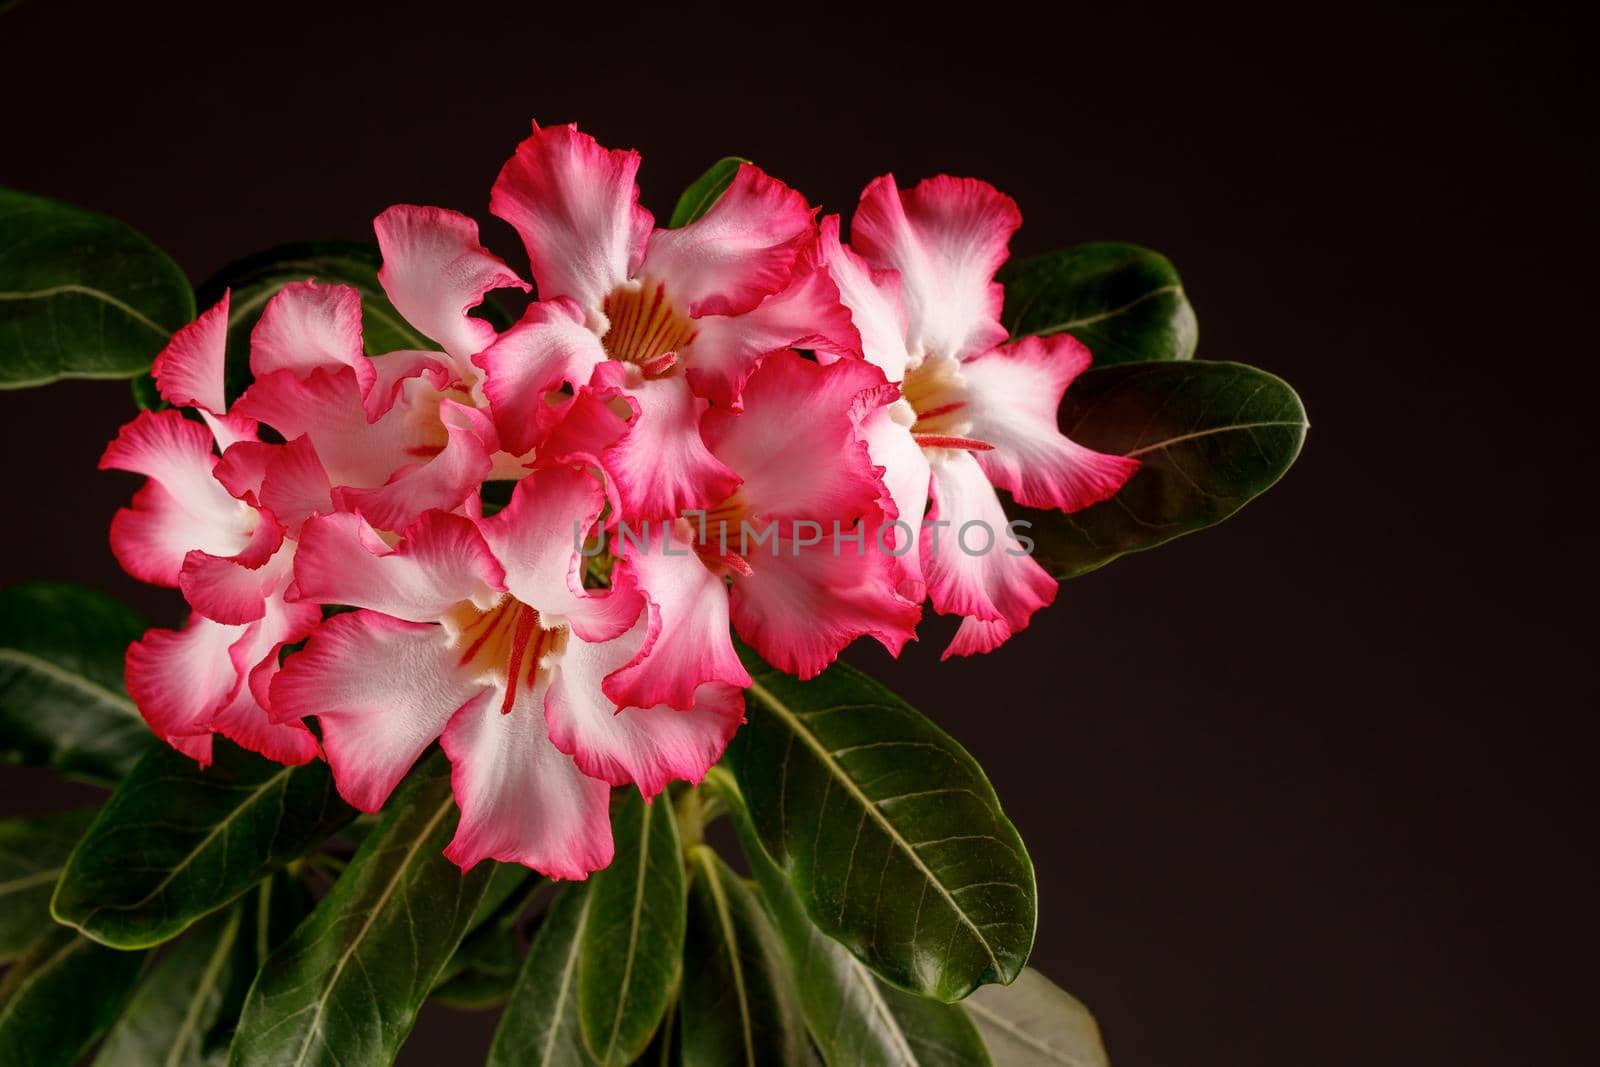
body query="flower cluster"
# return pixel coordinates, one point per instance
(705, 402)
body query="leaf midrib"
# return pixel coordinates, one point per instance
(372, 916)
(766, 696)
(60, 674)
(1212, 431)
(719, 901)
(633, 932)
(1022, 1035)
(188, 860)
(97, 294)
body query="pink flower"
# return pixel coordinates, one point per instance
(976, 413)
(792, 557)
(405, 432)
(481, 634)
(194, 527)
(684, 315)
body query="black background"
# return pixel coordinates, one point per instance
(1309, 788)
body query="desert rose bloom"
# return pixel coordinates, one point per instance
(200, 524)
(405, 432)
(792, 556)
(480, 633)
(976, 413)
(685, 315)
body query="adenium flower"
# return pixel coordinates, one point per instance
(792, 556)
(976, 413)
(404, 432)
(676, 317)
(481, 634)
(200, 524)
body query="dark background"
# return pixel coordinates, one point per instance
(1309, 788)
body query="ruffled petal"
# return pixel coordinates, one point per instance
(802, 604)
(183, 506)
(873, 298)
(946, 237)
(687, 641)
(1013, 393)
(307, 327)
(576, 207)
(661, 466)
(293, 484)
(442, 482)
(739, 252)
(805, 314)
(179, 679)
(382, 691)
(906, 479)
(549, 347)
(328, 408)
(521, 799)
(441, 562)
(234, 589)
(435, 271)
(189, 371)
(649, 746)
(795, 445)
(982, 572)
(538, 536)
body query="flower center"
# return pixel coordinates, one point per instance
(645, 328)
(508, 643)
(937, 394)
(721, 538)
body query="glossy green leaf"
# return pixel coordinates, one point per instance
(919, 872)
(1210, 436)
(62, 701)
(540, 1026)
(1035, 1023)
(256, 280)
(633, 935)
(704, 192)
(175, 842)
(346, 987)
(178, 1006)
(32, 855)
(737, 1003)
(1122, 301)
(59, 997)
(483, 970)
(81, 295)
(853, 1017)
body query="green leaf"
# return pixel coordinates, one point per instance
(62, 701)
(61, 996)
(346, 987)
(256, 280)
(32, 854)
(175, 1009)
(1122, 301)
(175, 842)
(704, 192)
(633, 936)
(81, 295)
(1035, 1023)
(738, 1003)
(483, 970)
(853, 1017)
(919, 872)
(1211, 436)
(540, 1026)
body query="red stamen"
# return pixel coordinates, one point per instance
(942, 409)
(527, 622)
(660, 365)
(936, 440)
(738, 564)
